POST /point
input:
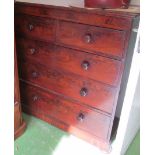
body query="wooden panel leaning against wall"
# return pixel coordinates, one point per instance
(19, 124)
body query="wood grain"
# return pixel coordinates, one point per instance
(93, 94)
(54, 106)
(73, 60)
(102, 18)
(19, 124)
(78, 62)
(95, 39)
(35, 27)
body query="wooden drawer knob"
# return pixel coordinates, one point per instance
(31, 27)
(81, 117)
(35, 98)
(85, 65)
(32, 51)
(16, 103)
(35, 74)
(88, 38)
(84, 92)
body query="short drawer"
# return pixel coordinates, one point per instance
(89, 92)
(73, 114)
(88, 65)
(102, 41)
(35, 27)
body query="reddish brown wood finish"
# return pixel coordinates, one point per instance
(19, 124)
(72, 114)
(90, 138)
(107, 3)
(84, 64)
(84, 90)
(35, 27)
(78, 55)
(102, 18)
(86, 37)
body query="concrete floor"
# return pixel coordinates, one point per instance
(41, 138)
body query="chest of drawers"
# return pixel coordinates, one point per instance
(71, 63)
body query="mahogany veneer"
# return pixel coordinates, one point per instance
(78, 62)
(19, 123)
(72, 114)
(40, 28)
(107, 3)
(71, 63)
(85, 90)
(92, 38)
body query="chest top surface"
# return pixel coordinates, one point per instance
(120, 19)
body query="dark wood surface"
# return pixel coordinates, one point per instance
(107, 3)
(71, 63)
(102, 18)
(95, 39)
(19, 124)
(71, 60)
(73, 114)
(84, 90)
(35, 27)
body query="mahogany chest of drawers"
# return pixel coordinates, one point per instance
(71, 63)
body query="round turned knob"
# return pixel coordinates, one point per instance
(88, 38)
(16, 103)
(84, 92)
(31, 27)
(35, 98)
(81, 117)
(34, 74)
(32, 51)
(85, 65)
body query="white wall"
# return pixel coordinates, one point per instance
(135, 2)
(134, 119)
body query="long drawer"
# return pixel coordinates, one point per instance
(93, 39)
(72, 114)
(35, 27)
(85, 64)
(92, 93)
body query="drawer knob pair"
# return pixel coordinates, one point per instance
(85, 65)
(81, 117)
(84, 92)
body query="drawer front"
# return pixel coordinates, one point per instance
(35, 27)
(81, 89)
(88, 65)
(73, 114)
(96, 39)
